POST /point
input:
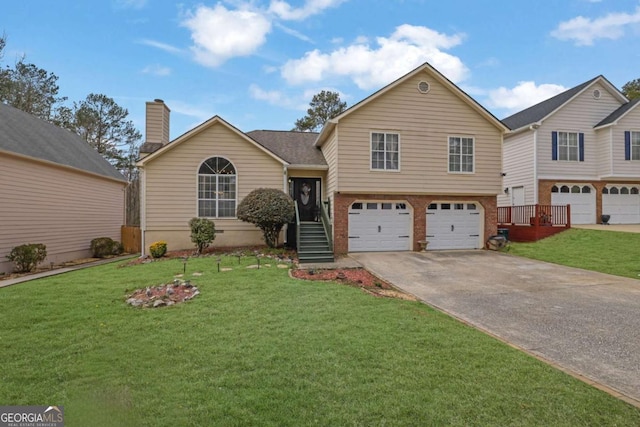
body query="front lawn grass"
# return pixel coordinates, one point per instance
(610, 252)
(258, 348)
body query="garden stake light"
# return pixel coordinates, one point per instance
(219, 259)
(184, 261)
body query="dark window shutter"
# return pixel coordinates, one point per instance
(581, 146)
(627, 145)
(554, 145)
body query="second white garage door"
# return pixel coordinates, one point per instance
(622, 203)
(453, 226)
(379, 226)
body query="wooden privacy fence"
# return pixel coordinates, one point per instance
(131, 238)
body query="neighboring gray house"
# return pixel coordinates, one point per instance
(55, 189)
(578, 148)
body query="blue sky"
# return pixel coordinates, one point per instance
(257, 63)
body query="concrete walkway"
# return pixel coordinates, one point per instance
(626, 228)
(29, 277)
(583, 322)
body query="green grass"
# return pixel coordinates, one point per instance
(260, 348)
(609, 252)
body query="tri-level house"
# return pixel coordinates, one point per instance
(419, 160)
(579, 148)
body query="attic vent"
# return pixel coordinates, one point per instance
(596, 94)
(423, 87)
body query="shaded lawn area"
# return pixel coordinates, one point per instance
(610, 252)
(259, 348)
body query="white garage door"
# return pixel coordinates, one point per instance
(379, 226)
(622, 203)
(582, 199)
(453, 226)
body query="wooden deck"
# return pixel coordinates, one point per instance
(530, 223)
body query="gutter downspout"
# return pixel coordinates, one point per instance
(285, 189)
(143, 210)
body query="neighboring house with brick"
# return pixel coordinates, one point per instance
(419, 159)
(578, 148)
(54, 189)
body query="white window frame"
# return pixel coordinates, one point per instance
(385, 151)
(461, 155)
(635, 144)
(567, 144)
(217, 191)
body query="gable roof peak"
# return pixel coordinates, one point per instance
(540, 111)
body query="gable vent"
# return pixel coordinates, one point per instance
(596, 94)
(424, 87)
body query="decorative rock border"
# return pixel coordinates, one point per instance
(163, 295)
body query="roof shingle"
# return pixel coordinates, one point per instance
(25, 134)
(295, 148)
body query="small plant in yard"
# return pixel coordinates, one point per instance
(102, 247)
(27, 257)
(203, 232)
(269, 209)
(158, 249)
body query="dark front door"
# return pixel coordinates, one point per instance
(306, 191)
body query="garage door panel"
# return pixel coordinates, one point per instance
(383, 226)
(623, 208)
(583, 206)
(453, 226)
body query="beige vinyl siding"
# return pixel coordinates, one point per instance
(579, 115)
(622, 167)
(424, 123)
(603, 147)
(58, 207)
(172, 186)
(518, 164)
(330, 152)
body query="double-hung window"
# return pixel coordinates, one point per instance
(461, 154)
(634, 146)
(385, 151)
(568, 146)
(217, 189)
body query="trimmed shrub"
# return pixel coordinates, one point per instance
(269, 209)
(102, 247)
(27, 257)
(158, 249)
(203, 232)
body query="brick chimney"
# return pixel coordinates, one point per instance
(156, 127)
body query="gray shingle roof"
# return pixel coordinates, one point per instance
(618, 113)
(294, 147)
(30, 136)
(541, 110)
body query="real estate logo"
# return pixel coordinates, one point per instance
(31, 416)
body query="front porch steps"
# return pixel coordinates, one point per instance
(314, 245)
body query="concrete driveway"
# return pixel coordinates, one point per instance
(585, 322)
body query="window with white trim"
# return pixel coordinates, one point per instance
(568, 146)
(635, 145)
(461, 154)
(217, 189)
(385, 151)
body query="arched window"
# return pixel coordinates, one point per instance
(575, 189)
(586, 189)
(564, 189)
(217, 188)
(554, 189)
(634, 190)
(613, 190)
(624, 190)
(605, 190)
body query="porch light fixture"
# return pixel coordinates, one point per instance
(506, 190)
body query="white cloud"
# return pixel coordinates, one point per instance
(159, 45)
(189, 110)
(584, 31)
(277, 98)
(294, 33)
(283, 9)
(369, 67)
(523, 95)
(157, 70)
(219, 34)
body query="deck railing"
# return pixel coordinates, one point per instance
(324, 215)
(536, 215)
